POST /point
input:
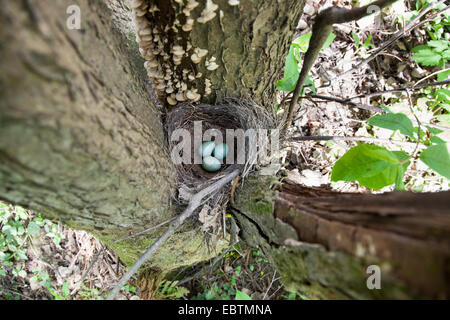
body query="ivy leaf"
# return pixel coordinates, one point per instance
(291, 73)
(394, 121)
(372, 166)
(427, 57)
(437, 158)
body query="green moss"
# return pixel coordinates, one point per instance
(322, 274)
(185, 247)
(256, 200)
(181, 249)
(255, 196)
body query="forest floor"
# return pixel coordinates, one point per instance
(310, 162)
(49, 261)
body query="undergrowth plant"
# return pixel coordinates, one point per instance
(376, 166)
(17, 229)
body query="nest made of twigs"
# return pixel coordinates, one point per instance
(230, 114)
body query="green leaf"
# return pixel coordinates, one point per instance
(291, 73)
(65, 289)
(22, 254)
(403, 157)
(436, 140)
(446, 54)
(443, 95)
(302, 42)
(356, 38)
(9, 230)
(394, 121)
(382, 106)
(241, 296)
(437, 157)
(372, 166)
(329, 41)
(22, 274)
(20, 229)
(293, 59)
(427, 57)
(434, 130)
(443, 75)
(420, 47)
(21, 214)
(367, 43)
(438, 45)
(33, 229)
(308, 84)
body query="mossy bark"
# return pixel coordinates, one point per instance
(81, 139)
(248, 43)
(322, 242)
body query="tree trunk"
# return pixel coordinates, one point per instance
(215, 50)
(323, 242)
(81, 139)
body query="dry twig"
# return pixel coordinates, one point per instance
(194, 203)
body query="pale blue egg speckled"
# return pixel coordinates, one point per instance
(207, 148)
(211, 164)
(220, 151)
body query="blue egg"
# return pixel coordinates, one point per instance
(221, 151)
(206, 148)
(211, 164)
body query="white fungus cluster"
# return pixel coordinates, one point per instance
(171, 64)
(209, 12)
(211, 64)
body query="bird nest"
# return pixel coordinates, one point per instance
(183, 128)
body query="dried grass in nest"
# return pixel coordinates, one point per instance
(207, 189)
(230, 114)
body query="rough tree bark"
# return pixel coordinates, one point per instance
(82, 141)
(323, 242)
